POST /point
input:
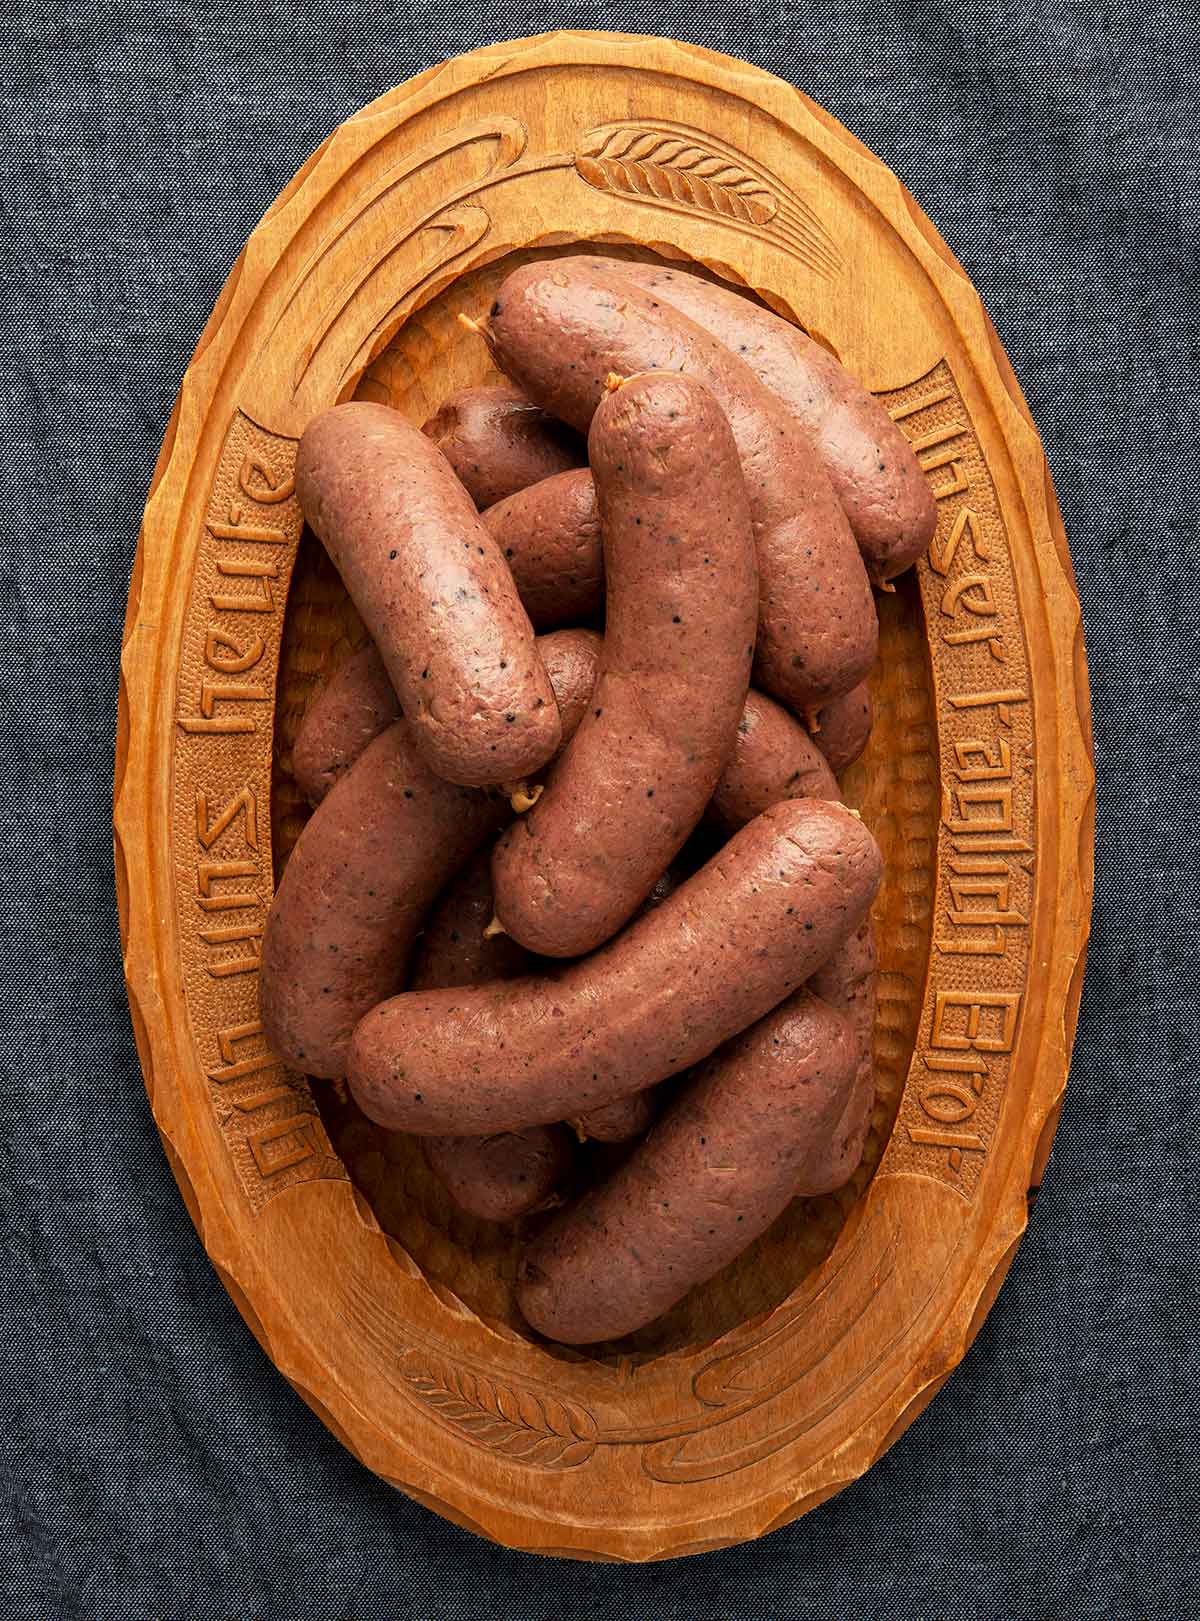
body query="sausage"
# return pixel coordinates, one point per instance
(848, 981)
(871, 465)
(434, 592)
(725, 948)
(843, 726)
(504, 1176)
(373, 856)
(455, 948)
(572, 661)
(559, 329)
(674, 671)
(619, 1121)
(712, 1175)
(549, 534)
(497, 441)
(357, 703)
(351, 709)
(773, 758)
(510, 1173)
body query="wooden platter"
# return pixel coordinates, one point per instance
(783, 1379)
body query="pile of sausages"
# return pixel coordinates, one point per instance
(495, 926)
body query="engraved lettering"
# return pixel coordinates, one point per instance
(243, 804)
(219, 724)
(948, 1104)
(960, 819)
(260, 1100)
(937, 436)
(958, 485)
(268, 487)
(958, 594)
(989, 1020)
(222, 653)
(985, 700)
(234, 1068)
(213, 693)
(958, 1142)
(236, 530)
(249, 604)
(965, 527)
(282, 1144)
(978, 633)
(209, 873)
(923, 402)
(977, 878)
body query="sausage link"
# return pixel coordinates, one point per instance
(433, 591)
(619, 1121)
(843, 726)
(773, 758)
(351, 709)
(498, 441)
(504, 1176)
(674, 671)
(870, 463)
(714, 1173)
(357, 703)
(549, 534)
(454, 947)
(848, 981)
(371, 859)
(724, 949)
(560, 329)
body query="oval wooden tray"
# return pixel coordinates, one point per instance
(783, 1379)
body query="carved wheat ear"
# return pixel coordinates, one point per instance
(662, 167)
(534, 1429)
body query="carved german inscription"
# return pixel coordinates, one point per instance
(980, 957)
(224, 712)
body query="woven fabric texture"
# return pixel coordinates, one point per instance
(152, 1463)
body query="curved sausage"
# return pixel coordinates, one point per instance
(843, 726)
(357, 703)
(712, 1175)
(434, 592)
(619, 1121)
(848, 981)
(370, 861)
(549, 534)
(455, 947)
(351, 709)
(372, 857)
(572, 660)
(727, 946)
(559, 329)
(501, 1177)
(504, 1176)
(498, 441)
(871, 465)
(674, 671)
(773, 758)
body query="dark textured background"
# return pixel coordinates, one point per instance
(153, 1464)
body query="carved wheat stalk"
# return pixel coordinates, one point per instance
(670, 168)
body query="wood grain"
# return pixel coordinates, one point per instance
(392, 1314)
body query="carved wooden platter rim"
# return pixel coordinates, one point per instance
(711, 161)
